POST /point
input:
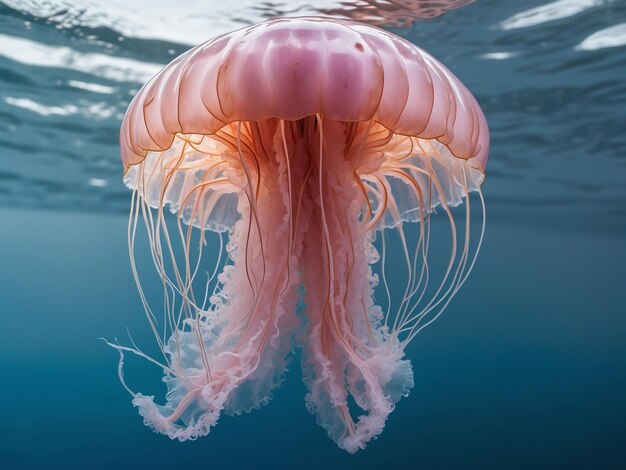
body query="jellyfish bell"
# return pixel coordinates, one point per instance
(300, 141)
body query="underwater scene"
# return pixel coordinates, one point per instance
(313, 234)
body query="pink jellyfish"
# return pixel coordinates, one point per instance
(299, 141)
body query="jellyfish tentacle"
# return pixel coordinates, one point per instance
(427, 176)
(229, 357)
(346, 350)
(455, 266)
(465, 271)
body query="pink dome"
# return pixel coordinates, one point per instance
(292, 68)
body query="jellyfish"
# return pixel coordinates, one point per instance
(300, 144)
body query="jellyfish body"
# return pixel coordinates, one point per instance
(300, 141)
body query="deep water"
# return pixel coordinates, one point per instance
(525, 369)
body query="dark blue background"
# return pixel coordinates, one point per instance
(527, 367)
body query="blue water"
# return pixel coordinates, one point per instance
(526, 368)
